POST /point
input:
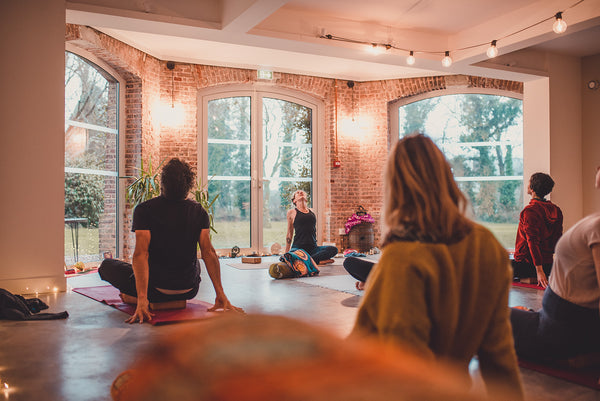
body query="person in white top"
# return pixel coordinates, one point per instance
(569, 322)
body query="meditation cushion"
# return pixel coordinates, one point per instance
(281, 270)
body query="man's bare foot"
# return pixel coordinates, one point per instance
(326, 262)
(128, 299)
(360, 285)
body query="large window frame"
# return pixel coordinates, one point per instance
(257, 92)
(394, 129)
(121, 128)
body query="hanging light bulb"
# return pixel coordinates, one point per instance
(559, 25)
(410, 60)
(492, 51)
(375, 49)
(447, 60)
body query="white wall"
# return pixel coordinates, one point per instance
(536, 130)
(590, 69)
(566, 136)
(32, 42)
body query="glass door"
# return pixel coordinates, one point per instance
(287, 164)
(259, 150)
(228, 154)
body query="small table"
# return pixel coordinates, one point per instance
(73, 223)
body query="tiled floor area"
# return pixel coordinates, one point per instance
(78, 358)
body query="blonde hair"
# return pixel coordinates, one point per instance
(294, 195)
(422, 200)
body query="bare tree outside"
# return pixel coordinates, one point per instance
(482, 138)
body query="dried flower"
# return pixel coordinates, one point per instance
(357, 219)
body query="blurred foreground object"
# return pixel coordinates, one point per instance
(256, 357)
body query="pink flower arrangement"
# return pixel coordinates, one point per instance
(357, 219)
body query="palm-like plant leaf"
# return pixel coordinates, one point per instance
(203, 198)
(145, 186)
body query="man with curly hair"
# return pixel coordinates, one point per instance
(165, 266)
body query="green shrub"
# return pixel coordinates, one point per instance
(84, 193)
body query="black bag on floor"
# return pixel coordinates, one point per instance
(15, 307)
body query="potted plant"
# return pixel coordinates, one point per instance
(145, 186)
(203, 198)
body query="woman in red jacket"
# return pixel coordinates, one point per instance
(540, 227)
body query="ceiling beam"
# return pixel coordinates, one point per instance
(242, 16)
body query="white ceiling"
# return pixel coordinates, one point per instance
(285, 35)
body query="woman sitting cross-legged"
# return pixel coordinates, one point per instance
(302, 227)
(568, 324)
(441, 285)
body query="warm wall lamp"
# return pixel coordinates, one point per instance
(171, 67)
(351, 86)
(171, 115)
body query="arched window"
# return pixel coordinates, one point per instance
(257, 147)
(91, 160)
(482, 138)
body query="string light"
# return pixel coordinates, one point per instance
(447, 60)
(559, 25)
(492, 51)
(374, 48)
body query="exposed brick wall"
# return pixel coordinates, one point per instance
(362, 144)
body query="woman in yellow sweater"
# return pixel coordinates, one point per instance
(441, 285)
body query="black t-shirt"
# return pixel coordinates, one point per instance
(305, 230)
(175, 227)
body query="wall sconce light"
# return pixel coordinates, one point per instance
(594, 84)
(171, 115)
(351, 86)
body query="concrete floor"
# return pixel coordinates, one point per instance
(78, 358)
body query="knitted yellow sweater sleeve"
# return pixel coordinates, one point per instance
(395, 307)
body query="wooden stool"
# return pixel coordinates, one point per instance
(181, 304)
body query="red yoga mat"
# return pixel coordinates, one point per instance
(537, 287)
(78, 273)
(589, 377)
(109, 295)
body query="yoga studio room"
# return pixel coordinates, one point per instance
(300, 200)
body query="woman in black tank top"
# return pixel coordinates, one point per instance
(302, 228)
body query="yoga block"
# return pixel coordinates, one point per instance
(181, 304)
(252, 259)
